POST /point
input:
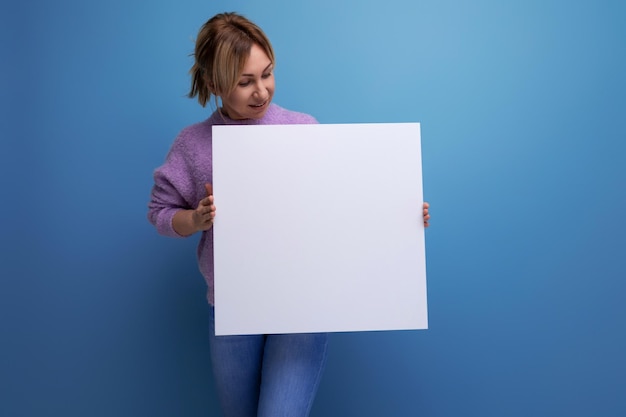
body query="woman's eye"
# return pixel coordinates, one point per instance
(267, 75)
(244, 83)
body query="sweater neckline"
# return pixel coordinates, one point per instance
(220, 118)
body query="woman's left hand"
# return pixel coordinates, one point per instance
(426, 215)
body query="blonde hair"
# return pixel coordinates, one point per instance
(222, 48)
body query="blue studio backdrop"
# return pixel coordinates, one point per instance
(522, 106)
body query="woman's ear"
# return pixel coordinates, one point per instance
(208, 83)
(211, 86)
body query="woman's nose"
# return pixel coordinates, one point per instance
(260, 89)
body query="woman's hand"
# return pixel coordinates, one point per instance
(188, 222)
(426, 215)
(204, 214)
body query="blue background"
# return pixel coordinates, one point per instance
(523, 109)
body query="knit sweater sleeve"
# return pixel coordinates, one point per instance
(174, 188)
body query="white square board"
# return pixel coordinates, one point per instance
(319, 228)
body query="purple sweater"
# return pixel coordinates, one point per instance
(179, 182)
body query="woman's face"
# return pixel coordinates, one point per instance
(254, 91)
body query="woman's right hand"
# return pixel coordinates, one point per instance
(188, 222)
(204, 214)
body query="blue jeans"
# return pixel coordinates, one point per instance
(267, 375)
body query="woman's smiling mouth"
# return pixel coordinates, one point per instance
(259, 106)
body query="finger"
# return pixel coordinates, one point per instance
(207, 201)
(207, 218)
(209, 189)
(204, 214)
(426, 205)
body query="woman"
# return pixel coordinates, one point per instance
(256, 375)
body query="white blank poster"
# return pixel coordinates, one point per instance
(319, 228)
